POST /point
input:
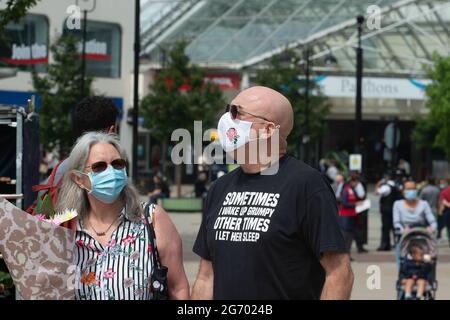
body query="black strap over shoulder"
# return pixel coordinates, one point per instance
(159, 275)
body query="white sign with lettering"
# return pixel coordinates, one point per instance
(386, 88)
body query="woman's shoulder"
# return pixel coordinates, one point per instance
(423, 204)
(398, 203)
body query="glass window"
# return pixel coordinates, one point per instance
(26, 44)
(103, 48)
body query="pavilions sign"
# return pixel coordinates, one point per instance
(384, 88)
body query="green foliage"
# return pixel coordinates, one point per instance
(59, 90)
(285, 75)
(167, 108)
(45, 206)
(341, 157)
(15, 10)
(434, 130)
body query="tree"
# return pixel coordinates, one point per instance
(434, 129)
(59, 90)
(179, 96)
(285, 74)
(15, 10)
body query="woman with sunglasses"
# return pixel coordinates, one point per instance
(113, 248)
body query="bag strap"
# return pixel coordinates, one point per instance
(148, 213)
(51, 179)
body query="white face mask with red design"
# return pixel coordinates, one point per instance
(233, 134)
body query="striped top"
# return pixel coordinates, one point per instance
(119, 271)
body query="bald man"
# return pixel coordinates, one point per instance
(269, 234)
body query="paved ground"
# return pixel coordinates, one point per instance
(188, 223)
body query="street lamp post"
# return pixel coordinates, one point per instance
(137, 50)
(83, 55)
(306, 137)
(83, 44)
(359, 75)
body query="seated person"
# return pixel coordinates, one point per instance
(416, 269)
(160, 190)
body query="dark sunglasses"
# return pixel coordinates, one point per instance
(234, 110)
(101, 166)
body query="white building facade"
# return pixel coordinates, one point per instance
(109, 50)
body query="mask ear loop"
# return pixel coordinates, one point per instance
(82, 186)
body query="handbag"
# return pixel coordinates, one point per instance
(158, 279)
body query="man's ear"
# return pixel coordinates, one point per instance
(269, 131)
(111, 129)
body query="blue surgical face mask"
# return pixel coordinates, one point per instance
(108, 184)
(410, 194)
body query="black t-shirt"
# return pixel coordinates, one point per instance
(265, 234)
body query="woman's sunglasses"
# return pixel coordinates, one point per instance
(100, 166)
(235, 110)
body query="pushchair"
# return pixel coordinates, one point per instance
(427, 241)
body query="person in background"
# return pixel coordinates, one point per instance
(347, 209)
(388, 191)
(338, 185)
(332, 171)
(430, 193)
(405, 167)
(160, 190)
(200, 185)
(444, 204)
(361, 218)
(412, 211)
(323, 166)
(416, 270)
(443, 183)
(94, 113)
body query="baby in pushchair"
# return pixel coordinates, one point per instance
(417, 274)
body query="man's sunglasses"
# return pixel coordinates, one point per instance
(101, 166)
(234, 110)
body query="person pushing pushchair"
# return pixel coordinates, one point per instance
(411, 214)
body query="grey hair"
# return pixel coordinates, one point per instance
(71, 196)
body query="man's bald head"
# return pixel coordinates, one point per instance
(270, 104)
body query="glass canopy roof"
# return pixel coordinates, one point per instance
(246, 33)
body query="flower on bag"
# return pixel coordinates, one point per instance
(232, 135)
